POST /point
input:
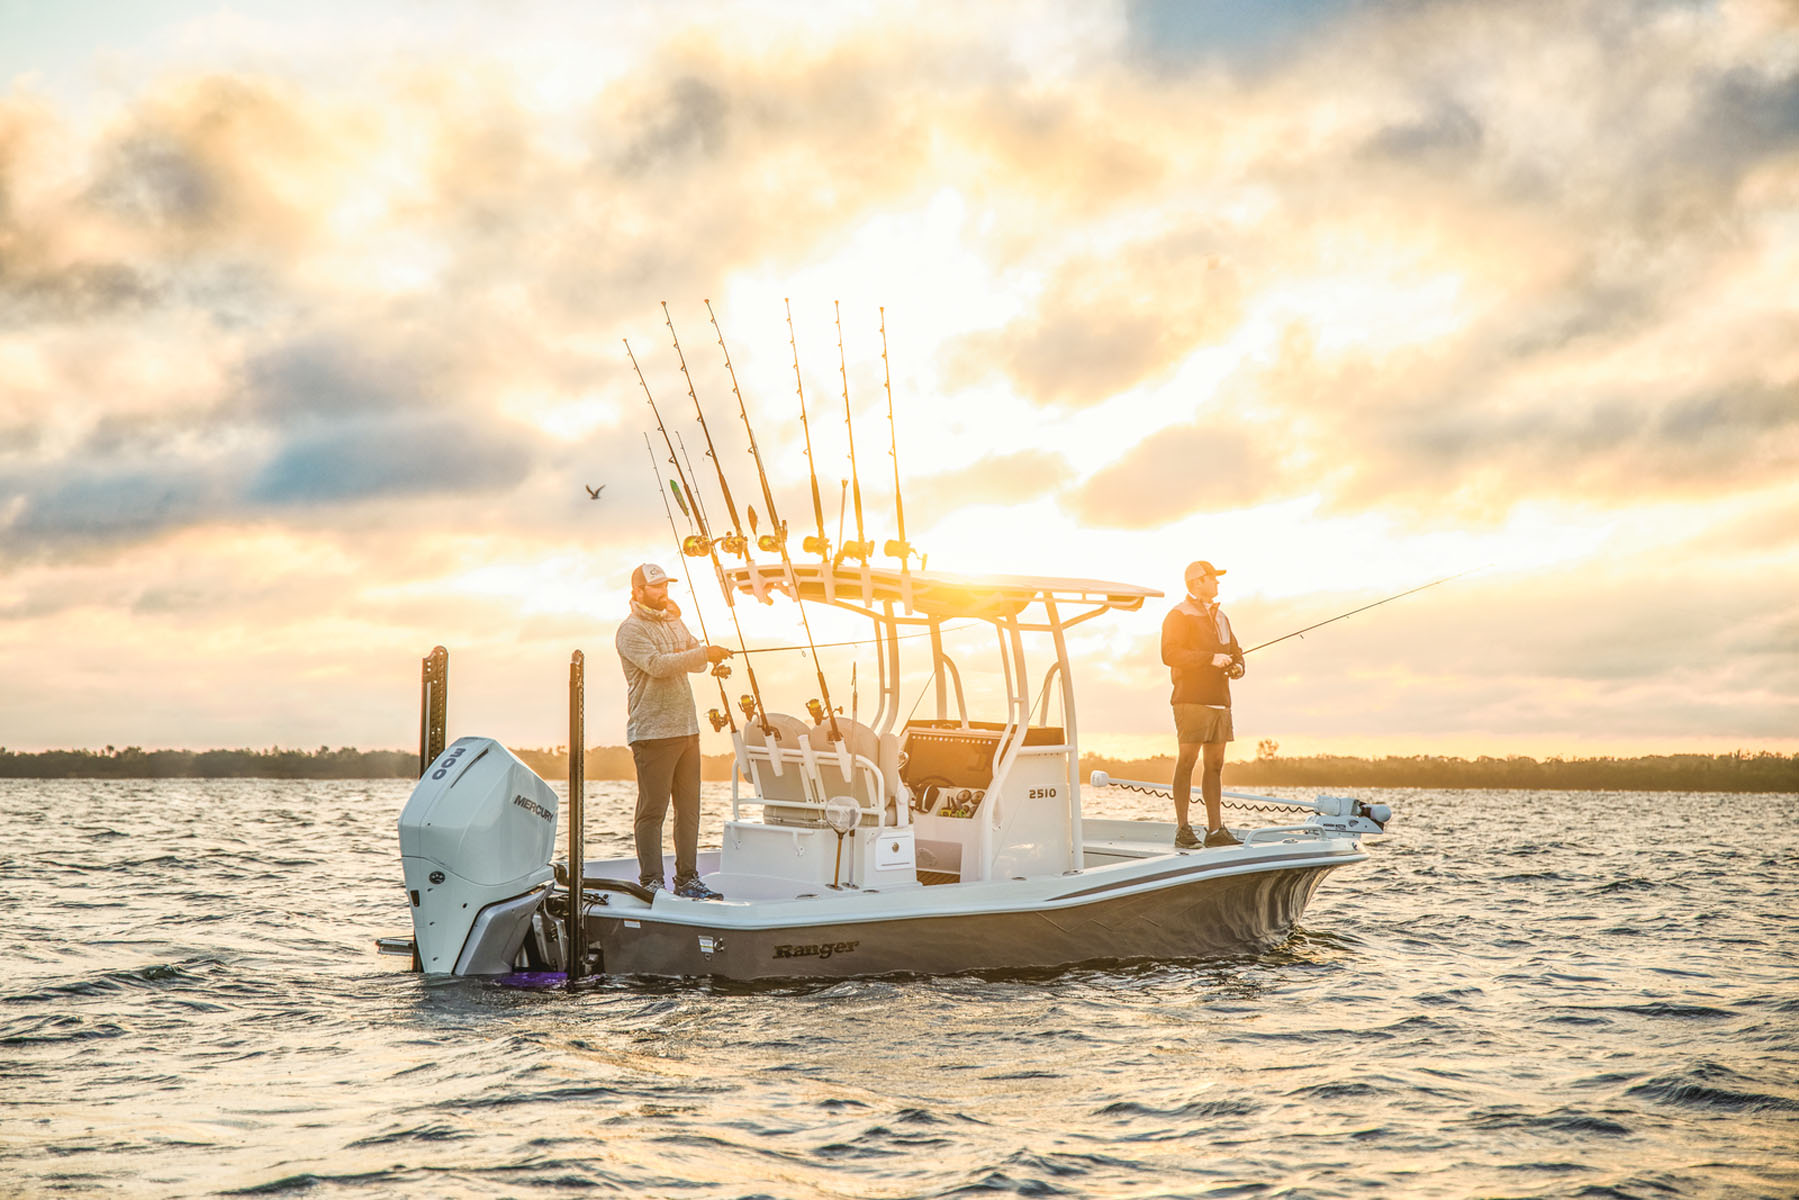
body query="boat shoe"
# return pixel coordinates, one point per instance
(1222, 837)
(693, 889)
(1186, 839)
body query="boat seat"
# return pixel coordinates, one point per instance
(864, 782)
(792, 781)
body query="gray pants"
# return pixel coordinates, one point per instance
(667, 769)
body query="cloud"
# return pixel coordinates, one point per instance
(1427, 266)
(1181, 470)
(357, 460)
(1006, 478)
(1101, 327)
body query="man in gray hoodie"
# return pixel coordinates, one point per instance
(658, 653)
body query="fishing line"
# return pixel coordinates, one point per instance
(1352, 612)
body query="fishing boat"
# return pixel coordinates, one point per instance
(935, 845)
(953, 842)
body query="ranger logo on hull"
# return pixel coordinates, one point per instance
(821, 950)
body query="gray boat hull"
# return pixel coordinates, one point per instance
(1192, 914)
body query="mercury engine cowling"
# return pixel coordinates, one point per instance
(476, 837)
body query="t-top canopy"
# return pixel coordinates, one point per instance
(935, 594)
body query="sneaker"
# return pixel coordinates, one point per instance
(693, 889)
(1222, 837)
(1186, 839)
(652, 886)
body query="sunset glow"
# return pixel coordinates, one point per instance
(311, 333)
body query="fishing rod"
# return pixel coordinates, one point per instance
(896, 547)
(818, 544)
(751, 704)
(694, 546)
(768, 542)
(780, 544)
(699, 505)
(719, 671)
(1352, 612)
(861, 548)
(734, 542)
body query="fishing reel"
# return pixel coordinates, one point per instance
(1234, 671)
(894, 548)
(860, 551)
(816, 710)
(820, 546)
(720, 670)
(717, 718)
(747, 703)
(695, 546)
(735, 543)
(770, 543)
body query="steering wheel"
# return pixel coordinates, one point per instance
(927, 791)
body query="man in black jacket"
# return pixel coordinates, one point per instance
(1202, 655)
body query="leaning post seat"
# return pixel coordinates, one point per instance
(782, 772)
(865, 781)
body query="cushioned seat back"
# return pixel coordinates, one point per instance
(793, 782)
(862, 781)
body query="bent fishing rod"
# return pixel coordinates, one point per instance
(751, 704)
(780, 542)
(1352, 612)
(719, 670)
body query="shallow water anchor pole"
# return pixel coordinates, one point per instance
(577, 783)
(434, 694)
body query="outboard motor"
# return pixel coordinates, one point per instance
(475, 839)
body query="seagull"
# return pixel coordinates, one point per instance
(594, 493)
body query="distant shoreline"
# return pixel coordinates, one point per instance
(1733, 772)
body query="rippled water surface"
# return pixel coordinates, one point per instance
(1520, 994)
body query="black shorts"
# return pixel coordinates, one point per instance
(1201, 724)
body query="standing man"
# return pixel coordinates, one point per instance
(658, 653)
(1202, 655)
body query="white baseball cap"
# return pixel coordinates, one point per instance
(648, 575)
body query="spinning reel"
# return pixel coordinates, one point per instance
(816, 710)
(1234, 671)
(718, 720)
(747, 703)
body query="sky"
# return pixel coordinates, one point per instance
(313, 332)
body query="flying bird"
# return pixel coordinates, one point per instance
(594, 493)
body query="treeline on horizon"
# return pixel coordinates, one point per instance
(1733, 772)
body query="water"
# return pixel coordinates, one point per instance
(1521, 994)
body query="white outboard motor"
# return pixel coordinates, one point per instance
(475, 839)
